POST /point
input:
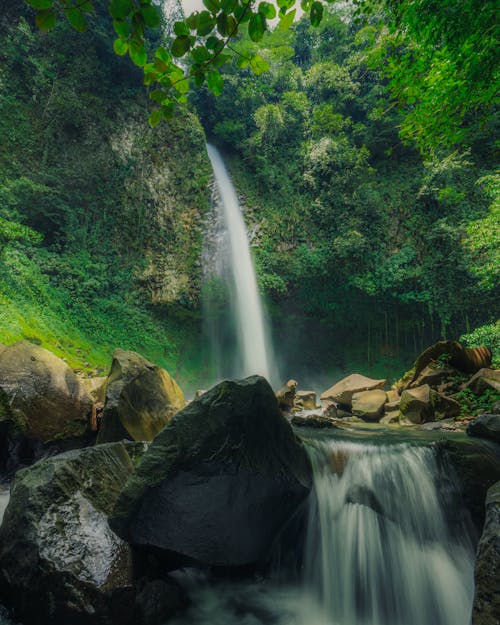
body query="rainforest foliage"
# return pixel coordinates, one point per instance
(361, 139)
(374, 244)
(100, 216)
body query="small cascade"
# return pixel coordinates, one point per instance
(387, 543)
(228, 267)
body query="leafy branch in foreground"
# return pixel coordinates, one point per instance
(442, 64)
(201, 45)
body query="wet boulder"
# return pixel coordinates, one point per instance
(40, 396)
(452, 354)
(96, 388)
(486, 609)
(485, 426)
(314, 421)
(219, 481)
(369, 405)
(60, 562)
(434, 375)
(141, 398)
(342, 392)
(484, 380)
(415, 404)
(286, 396)
(423, 404)
(305, 400)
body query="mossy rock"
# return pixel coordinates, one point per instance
(40, 394)
(141, 398)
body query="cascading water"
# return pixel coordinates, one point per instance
(388, 543)
(230, 259)
(380, 549)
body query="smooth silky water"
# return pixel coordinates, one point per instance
(388, 542)
(227, 257)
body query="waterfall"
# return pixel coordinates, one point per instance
(229, 258)
(387, 543)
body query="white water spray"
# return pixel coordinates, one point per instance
(380, 549)
(253, 345)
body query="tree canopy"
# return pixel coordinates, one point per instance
(440, 57)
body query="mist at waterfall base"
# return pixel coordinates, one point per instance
(235, 321)
(388, 542)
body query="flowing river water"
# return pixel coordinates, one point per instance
(388, 542)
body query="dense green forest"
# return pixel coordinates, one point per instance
(374, 211)
(100, 215)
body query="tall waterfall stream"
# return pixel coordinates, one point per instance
(228, 257)
(387, 543)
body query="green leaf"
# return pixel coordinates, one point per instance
(180, 46)
(222, 24)
(257, 27)
(138, 54)
(213, 43)
(221, 60)
(258, 65)
(316, 13)
(232, 26)
(155, 118)
(287, 20)
(267, 10)
(243, 62)
(200, 54)
(120, 46)
(40, 4)
(205, 24)
(158, 95)
(284, 5)
(167, 109)
(199, 78)
(119, 8)
(182, 85)
(212, 5)
(45, 20)
(215, 82)
(181, 29)
(77, 19)
(192, 21)
(242, 13)
(163, 54)
(121, 28)
(151, 15)
(227, 6)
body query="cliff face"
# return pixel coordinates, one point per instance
(118, 205)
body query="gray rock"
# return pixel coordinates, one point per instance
(219, 481)
(342, 391)
(485, 426)
(484, 380)
(40, 395)
(59, 559)
(486, 610)
(369, 405)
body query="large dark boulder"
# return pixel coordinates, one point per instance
(60, 562)
(220, 480)
(485, 426)
(486, 610)
(477, 465)
(141, 398)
